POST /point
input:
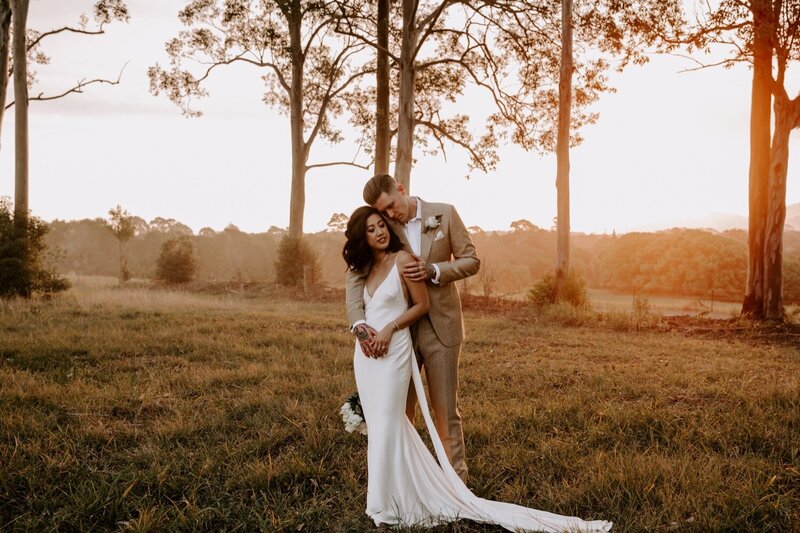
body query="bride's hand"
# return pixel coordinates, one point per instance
(380, 343)
(365, 335)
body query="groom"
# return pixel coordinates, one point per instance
(444, 254)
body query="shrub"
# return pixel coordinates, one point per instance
(568, 315)
(122, 225)
(642, 315)
(24, 269)
(297, 264)
(546, 291)
(176, 264)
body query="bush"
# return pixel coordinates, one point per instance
(297, 264)
(567, 314)
(23, 266)
(176, 264)
(572, 291)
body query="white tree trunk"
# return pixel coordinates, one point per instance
(20, 18)
(405, 120)
(760, 115)
(299, 152)
(785, 113)
(382, 136)
(562, 141)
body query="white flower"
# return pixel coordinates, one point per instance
(352, 420)
(432, 222)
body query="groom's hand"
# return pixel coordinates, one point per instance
(365, 335)
(418, 270)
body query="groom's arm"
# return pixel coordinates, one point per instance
(354, 300)
(465, 262)
(354, 297)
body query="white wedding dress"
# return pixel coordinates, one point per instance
(407, 486)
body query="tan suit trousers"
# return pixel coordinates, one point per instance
(441, 374)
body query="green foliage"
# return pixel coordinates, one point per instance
(676, 262)
(680, 261)
(297, 264)
(571, 290)
(543, 292)
(177, 263)
(122, 225)
(23, 263)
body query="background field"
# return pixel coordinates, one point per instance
(147, 409)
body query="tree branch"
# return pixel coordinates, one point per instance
(334, 163)
(332, 93)
(257, 63)
(702, 66)
(440, 133)
(313, 34)
(76, 89)
(350, 33)
(36, 41)
(427, 24)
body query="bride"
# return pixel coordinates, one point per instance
(407, 486)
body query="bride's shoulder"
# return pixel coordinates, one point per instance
(404, 258)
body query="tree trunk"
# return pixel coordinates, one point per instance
(20, 17)
(776, 210)
(299, 150)
(5, 26)
(562, 142)
(382, 137)
(121, 262)
(753, 304)
(405, 120)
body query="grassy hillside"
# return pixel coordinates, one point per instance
(149, 410)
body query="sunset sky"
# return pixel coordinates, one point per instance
(668, 147)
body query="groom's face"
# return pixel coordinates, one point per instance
(394, 205)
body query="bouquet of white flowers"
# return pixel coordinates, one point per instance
(353, 415)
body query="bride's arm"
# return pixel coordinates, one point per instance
(418, 295)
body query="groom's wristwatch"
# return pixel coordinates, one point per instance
(430, 272)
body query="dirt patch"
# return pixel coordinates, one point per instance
(777, 333)
(260, 289)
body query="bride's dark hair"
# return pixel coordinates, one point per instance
(356, 252)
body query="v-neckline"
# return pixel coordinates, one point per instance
(382, 281)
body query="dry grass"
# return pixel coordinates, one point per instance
(156, 410)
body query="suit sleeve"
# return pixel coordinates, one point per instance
(354, 296)
(465, 262)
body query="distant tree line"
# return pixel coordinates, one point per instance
(686, 262)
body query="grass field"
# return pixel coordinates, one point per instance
(151, 410)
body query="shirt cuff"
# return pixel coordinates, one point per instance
(356, 324)
(435, 279)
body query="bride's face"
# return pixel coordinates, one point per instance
(377, 232)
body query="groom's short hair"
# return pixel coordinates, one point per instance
(378, 185)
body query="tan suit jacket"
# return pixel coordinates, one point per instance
(449, 247)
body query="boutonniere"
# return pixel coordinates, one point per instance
(432, 222)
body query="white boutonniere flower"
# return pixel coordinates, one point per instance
(432, 222)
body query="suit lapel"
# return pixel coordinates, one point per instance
(426, 239)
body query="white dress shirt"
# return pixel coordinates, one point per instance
(414, 236)
(414, 230)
